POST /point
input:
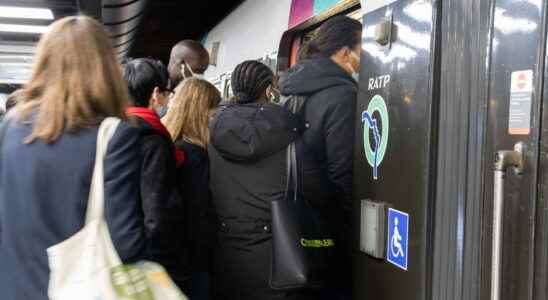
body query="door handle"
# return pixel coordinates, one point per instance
(504, 160)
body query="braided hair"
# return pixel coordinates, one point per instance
(250, 80)
(335, 34)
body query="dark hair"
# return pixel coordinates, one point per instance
(333, 35)
(250, 80)
(142, 76)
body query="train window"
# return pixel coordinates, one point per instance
(307, 35)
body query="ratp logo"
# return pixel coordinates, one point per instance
(375, 155)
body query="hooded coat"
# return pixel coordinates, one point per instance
(247, 155)
(330, 113)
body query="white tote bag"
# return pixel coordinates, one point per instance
(87, 267)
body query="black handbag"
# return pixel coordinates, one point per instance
(303, 245)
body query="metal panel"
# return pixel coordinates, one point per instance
(123, 19)
(126, 37)
(517, 44)
(123, 13)
(404, 175)
(463, 97)
(540, 288)
(129, 26)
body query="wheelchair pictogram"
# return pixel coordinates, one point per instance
(396, 246)
(398, 238)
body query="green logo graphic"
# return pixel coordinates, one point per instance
(130, 283)
(375, 155)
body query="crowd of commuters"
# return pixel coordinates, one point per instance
(189, 177)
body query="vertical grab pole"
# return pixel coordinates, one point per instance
(503, 160)
(498, 210)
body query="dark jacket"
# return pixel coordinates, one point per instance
(248, 171)
(162, 204)
(330, 111)
(200, 218)
(43, 199)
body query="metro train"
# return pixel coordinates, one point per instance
(276, 37)
(450, 202)
(451, 197)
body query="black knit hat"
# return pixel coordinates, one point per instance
(249, 81)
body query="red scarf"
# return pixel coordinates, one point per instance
(152, 119)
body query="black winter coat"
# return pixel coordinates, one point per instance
(44, 191)
(330, 111)
(162, 203)
(200, 218)
(248, 171)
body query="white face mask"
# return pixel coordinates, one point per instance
(161, 111)
(192, 74)
(355, 74)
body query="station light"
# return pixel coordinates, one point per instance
(23, 28)
(25, 13)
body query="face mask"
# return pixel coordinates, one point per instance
(355, 75)
(192, 74)
(161, 111)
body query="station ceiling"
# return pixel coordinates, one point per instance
(140, 28)
(170, 21)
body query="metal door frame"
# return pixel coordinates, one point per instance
(460, 266)
(464, 85)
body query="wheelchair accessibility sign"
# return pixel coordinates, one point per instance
(398, 238)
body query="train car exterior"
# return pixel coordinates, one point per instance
(265, 31)
(450, 201)
(454, 90)
(451, 148)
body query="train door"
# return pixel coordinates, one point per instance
(395, 150)
(516, 183)
(398, 167)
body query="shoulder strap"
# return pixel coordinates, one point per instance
(295, 104)
(96, 205)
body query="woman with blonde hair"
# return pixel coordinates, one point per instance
(187, 121)
(47, 154)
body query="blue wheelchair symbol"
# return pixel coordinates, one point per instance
(398, 238)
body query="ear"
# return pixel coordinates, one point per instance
(154, 98)
(346, 53)
(342, 55)
(156, 93)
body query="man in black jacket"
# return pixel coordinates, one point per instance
(162, 204)
(327, 78)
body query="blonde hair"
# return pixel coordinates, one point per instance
(191, 108)
(76, 80)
